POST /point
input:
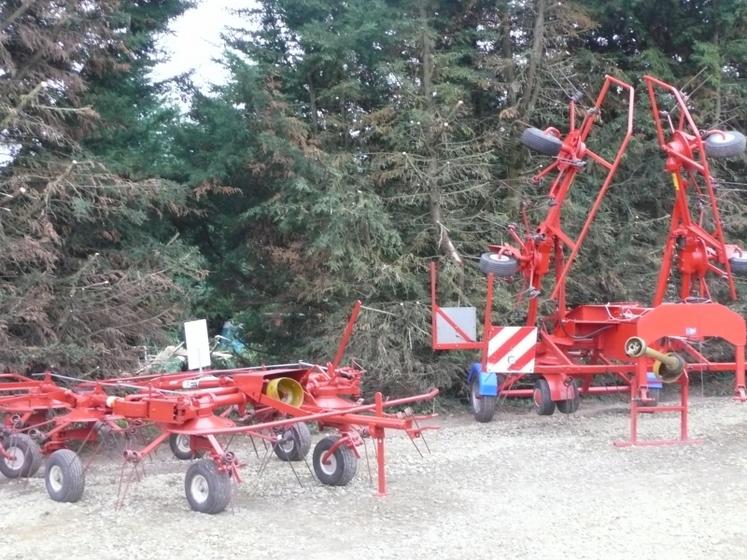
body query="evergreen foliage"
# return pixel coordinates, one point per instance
(354, 143)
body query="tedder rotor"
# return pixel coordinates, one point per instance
(561, 352)
(200, 414)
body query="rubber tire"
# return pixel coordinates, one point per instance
(73, 476)
(32, 456)
(219, 487)
(178, 452)
(718, 146)
(738, 265)
(300, 435)
(539, 141)
(485, 410)
(346, 467)
(503, 267)
(545, 405)
(569, 406)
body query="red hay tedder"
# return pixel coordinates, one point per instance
(562, 351)
(200, 414)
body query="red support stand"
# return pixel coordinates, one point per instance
(636, 409)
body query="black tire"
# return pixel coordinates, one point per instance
(343, 463)
(543, 403)
(180, 447)
(569, 406)
(483, 408)
(64, 477)
(27, 456)
(539, 141)
(738, 265)
(728, 144)
(294, 443)
(500, 265)
(208, 490)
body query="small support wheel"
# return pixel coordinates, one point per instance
(64, 477)
(569, 406)
(726, 144)
(181, 447)
(208, 490)
(503, 266)
(294, 443)
(739, 264)
(543, 403)
(540, 141)
(340, 467)
(483, 407)
(25, 456)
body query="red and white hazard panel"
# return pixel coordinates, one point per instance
(512, 349)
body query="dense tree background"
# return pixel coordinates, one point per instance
(354, 143)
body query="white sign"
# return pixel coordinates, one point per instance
(198, 344)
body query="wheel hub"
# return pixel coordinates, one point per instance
(183, 443)
(199, 489)
(15, 461)
(56, 478)
(330, 466)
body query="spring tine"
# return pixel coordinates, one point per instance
(422, 436)
(415, 445)
(368, 463)
(254, 446)
(298, 478)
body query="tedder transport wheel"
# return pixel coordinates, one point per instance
(540, 141)
(739, 265)
(341, 466)
(483, 408)
(500, 265)
(181, 447)
(26, 456)
(208, 490)
(725, 144)
(294, 443)
(570, 406)
(65, 479)
(543, 402)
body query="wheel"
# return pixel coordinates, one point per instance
(341, 466)
(570, 406)
(725, 144)
(540, 141)
(26, 456)
(181, 447)
(64, 478)
(294, 444)
(739, 265)
(208, 490)
(483, 408)
(500, 265)
(543, 402)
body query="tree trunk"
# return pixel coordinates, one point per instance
(531, 92)
(507, 54)
(432, 134)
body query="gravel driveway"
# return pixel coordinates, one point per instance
(521, 486)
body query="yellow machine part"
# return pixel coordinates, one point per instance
(285, 389)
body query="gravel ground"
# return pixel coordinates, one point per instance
(521, 486)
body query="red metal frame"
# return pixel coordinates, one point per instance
(199, 405)
(587, 340)
(697, 246)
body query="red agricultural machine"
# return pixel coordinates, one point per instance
(560, 352)
(200, 414)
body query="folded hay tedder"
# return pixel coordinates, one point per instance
(200, 415)
(560, 352)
